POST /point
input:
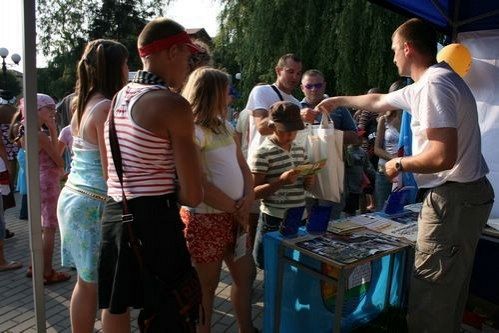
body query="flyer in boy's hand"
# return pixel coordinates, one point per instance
(311, 168)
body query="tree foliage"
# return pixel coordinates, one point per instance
(10, 83)
(348, 40)
(65, 26)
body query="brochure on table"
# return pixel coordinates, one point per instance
(402, 225)
(349, 248)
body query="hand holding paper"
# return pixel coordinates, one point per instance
(310, 168)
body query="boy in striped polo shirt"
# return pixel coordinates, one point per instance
(273, 164)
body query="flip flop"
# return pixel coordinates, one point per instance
(10, 266)
(55, 277)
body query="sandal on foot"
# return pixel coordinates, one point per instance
(55, 277)
(10, 265)
(29, 272)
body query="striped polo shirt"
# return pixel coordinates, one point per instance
(272, 160)
(148, 162)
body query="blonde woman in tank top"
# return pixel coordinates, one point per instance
(212, 226)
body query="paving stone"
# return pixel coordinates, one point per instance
(232, 329)
(25, 325)
(228, 319)
(6, 325)
(218, 328)
(23, 317)
(16, 291)
(10, 315)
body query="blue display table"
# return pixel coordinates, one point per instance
(308, 305)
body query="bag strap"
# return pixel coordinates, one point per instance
(126, 217)
(326, 121)
(277, 92)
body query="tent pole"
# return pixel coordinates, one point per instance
(32, 166)
(455, 18)
(440, 11)
(478, 17)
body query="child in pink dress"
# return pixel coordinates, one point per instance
(51, 165)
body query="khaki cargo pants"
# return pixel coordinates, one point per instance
(449, 226)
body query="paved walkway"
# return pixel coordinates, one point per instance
(16, 292)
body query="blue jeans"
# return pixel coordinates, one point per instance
(266, 223)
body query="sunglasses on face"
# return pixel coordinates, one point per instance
(315, 85)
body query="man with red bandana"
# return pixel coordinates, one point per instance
(154, 130)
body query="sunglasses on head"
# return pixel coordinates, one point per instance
(315, 85)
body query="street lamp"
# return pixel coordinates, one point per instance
(16, 58)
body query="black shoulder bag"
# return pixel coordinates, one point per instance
(277, 92)
(166, 308)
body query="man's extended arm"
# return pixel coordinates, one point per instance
(371, 102)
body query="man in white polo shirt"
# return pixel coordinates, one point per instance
(447, 161)
(288, 75)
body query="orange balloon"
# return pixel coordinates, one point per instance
(457, 56)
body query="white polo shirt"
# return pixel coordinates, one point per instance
(440, 98)
(262, 97)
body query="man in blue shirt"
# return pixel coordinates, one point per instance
(313, 86)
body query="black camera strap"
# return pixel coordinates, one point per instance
(126, 217)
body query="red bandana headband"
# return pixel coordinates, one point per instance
(163, 44)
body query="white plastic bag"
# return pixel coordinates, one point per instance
(323, 141)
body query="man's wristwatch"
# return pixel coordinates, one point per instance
(398, 165)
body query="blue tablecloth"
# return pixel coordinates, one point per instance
(303, 305)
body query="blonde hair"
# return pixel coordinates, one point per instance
(206, 91)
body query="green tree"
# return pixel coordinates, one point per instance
(349, 40)
(10, 83)
(122, 20)
(65, 26)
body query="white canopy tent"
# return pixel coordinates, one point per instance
(483, 80)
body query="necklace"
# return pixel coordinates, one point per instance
(144, 77)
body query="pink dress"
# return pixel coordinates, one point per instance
(50, 188)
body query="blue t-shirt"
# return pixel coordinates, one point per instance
(341, 117)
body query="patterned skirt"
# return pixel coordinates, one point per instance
(79, 218)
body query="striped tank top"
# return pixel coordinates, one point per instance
(148, 163)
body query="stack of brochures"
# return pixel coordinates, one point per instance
(402, 225)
